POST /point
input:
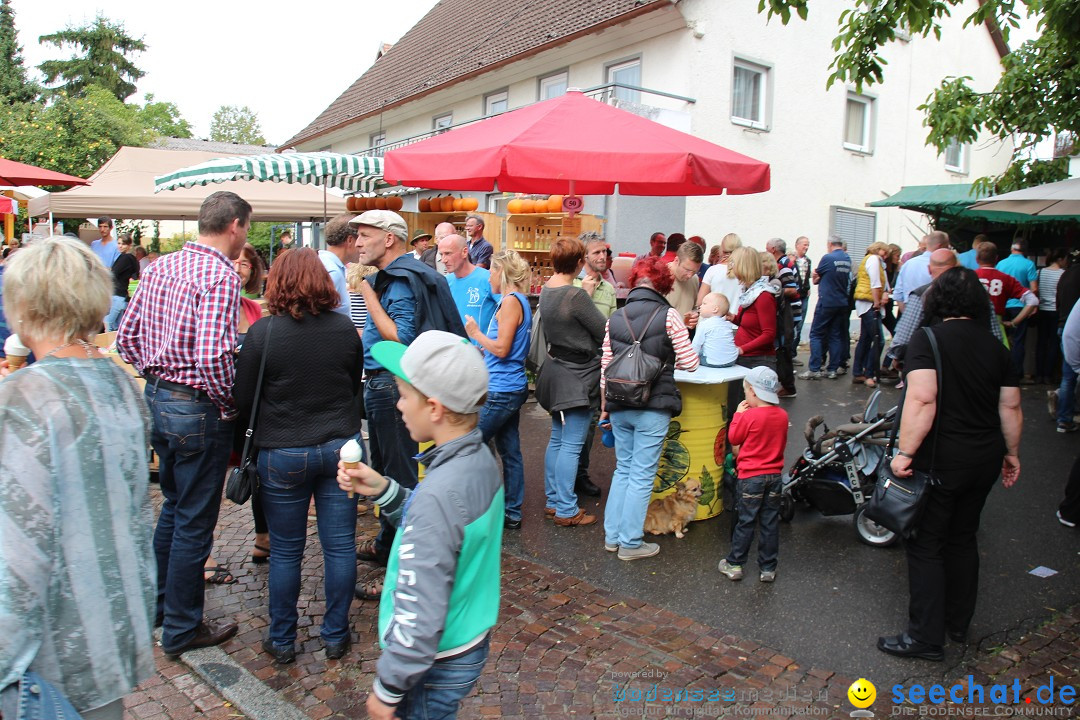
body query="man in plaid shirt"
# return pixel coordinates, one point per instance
(180, 333)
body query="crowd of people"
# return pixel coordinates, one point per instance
(369, 330)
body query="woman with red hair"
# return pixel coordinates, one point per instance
(309, 406)
(640, 431)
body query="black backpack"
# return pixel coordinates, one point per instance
(630, 375)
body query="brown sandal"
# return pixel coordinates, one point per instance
(366, 551)
(582, 518)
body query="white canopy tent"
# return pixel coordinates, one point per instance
(124, 188)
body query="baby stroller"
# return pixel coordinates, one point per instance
(837, 471)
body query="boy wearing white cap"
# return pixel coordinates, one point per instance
(759, 428)
(441, 594)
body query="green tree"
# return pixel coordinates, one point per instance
(163, 118)
(103, 48)
(236, 125)
(1037, 95)
(14, 87)
(73, 135)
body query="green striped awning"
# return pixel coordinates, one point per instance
(351, 173)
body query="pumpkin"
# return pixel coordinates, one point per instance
(527, 205)
(554, 203)
(458, 204)
(394, 203)
(380, 203)
(514, 206)
(424, 205)
(448, 203)
(470, 204)
(350, 204)
(369, 203)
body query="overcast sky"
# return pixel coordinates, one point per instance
(286, 61)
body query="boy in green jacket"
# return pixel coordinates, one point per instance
(441, 594)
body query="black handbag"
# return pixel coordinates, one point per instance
(244, 480)
(898, 503)
(629, 377)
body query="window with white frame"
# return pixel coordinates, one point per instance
(376, 142)
(552, 86)
(956, 155)
(441, 123)
(496, 102)
(750, 94)
(859, 123)
(626, 73)
(856, 227)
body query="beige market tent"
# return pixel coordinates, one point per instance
(124, 188)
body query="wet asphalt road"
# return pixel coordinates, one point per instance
(834, 595)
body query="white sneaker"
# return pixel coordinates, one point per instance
(810, 375)
(1063, 521)
(767, 576)
(644, 550)
(611, 547)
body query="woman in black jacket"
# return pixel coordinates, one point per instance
(640, 432)
(310, 406)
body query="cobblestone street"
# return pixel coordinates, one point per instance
(563, 647)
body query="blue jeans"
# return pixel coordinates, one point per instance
(439, 692)
(868, 351)
(116, 311)
(1067, 391)
(288, 478)
(799, 327)
(757, 497)
(639, 438)
(499, 421)
(568, 430)
(828, 327)
(32, 698)
(392, 450)
(192, 443)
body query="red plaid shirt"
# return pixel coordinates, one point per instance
(181, 324)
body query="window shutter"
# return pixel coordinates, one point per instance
(857, 228)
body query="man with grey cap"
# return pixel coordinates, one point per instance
(405, 298)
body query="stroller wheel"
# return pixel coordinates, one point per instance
(870, 532)
(787, 507)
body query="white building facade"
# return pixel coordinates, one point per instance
(716, 69)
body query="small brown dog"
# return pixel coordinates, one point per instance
(674, 512)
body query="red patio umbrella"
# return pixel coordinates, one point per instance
(17, 173)
(574, 144)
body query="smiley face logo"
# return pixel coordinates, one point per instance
(862, 693)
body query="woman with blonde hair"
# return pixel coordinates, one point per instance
(77, 552)
(719, 277)
(755, 314)
(871, 291)
(505, 345)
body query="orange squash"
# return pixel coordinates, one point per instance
(380, 203)
(395, 203)
(554, 203)
(350, 204)
(527, 205)
(458, 204)
(423, 205)
(514, 206)
(470, 204)
(448, 203)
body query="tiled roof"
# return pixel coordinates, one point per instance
(225, 148)
(486, 34)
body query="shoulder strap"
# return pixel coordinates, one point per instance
(258, 392)
(937, 366)
(648, 322)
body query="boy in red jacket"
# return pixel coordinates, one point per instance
(760, 428)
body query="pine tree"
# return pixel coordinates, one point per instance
(105, 46)
(14, 87)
